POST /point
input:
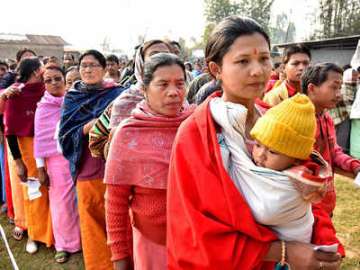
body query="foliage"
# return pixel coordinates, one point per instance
(216, 10)
(283, 31)
(337, 18)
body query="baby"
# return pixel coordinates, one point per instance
(282, 177)
(284, 139)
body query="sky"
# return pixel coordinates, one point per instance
(85, 24)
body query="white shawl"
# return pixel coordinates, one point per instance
(273, 199)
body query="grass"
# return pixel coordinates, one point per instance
(42, 260)
(346, 220)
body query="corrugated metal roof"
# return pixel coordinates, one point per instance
(32, 39)
(344, 42)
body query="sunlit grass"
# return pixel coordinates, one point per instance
(347, 220)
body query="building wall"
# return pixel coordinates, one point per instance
(8, 50)
(340, 57)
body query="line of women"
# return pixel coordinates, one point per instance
(162, 199)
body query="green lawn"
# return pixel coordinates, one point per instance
(346, 219)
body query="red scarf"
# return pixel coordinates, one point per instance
(140, 150)
(291, 90)
(20, 110)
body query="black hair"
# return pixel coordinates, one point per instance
(71, 55)
(317, 74)
(97, 55)
(276, 65)
(225, 34)
(189, 64)
(21, 52)
(160, 60)
(3, 63)
(175, 43)
(55, 67)
(347, 66)
(27, 67)
(112, 58)
(293, 49)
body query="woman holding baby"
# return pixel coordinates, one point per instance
(211, 223)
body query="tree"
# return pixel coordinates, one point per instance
(283, 31)
(338, 18)
(216, 10)
(256, 9)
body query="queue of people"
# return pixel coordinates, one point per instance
(149, 167)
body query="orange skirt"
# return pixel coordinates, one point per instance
(17, 194)
(37, 211)
(91, 204)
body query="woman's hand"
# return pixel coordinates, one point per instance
(43, 177)
(123, 264)
(11, 91)
(301, 256)
(88, 126)
(21, 170)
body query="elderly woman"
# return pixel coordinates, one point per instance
(19, 130)
(83, 104)
(53, 168)
(137, 166)
(210, 224)
(126, 102)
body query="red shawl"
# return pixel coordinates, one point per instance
(210, 225)
(20, 110)
(140, 150)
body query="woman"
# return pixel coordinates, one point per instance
(53, 168)
(125, 103)
(72, 75)
(83, 104)
(137, 166)
(19, 130)
(210, 225)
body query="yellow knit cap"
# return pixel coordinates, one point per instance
(288, 128)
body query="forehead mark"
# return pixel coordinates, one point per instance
(256, 51)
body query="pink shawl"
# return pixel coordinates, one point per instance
(47, 116)
(140, 150)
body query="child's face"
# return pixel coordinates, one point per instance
(296, 65)
(265, 157)
(327, 95)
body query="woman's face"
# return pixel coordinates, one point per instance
(71, 77)
(165, 93)
(54, 82)
(245, 69)
(91, 71)
(154, 49)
